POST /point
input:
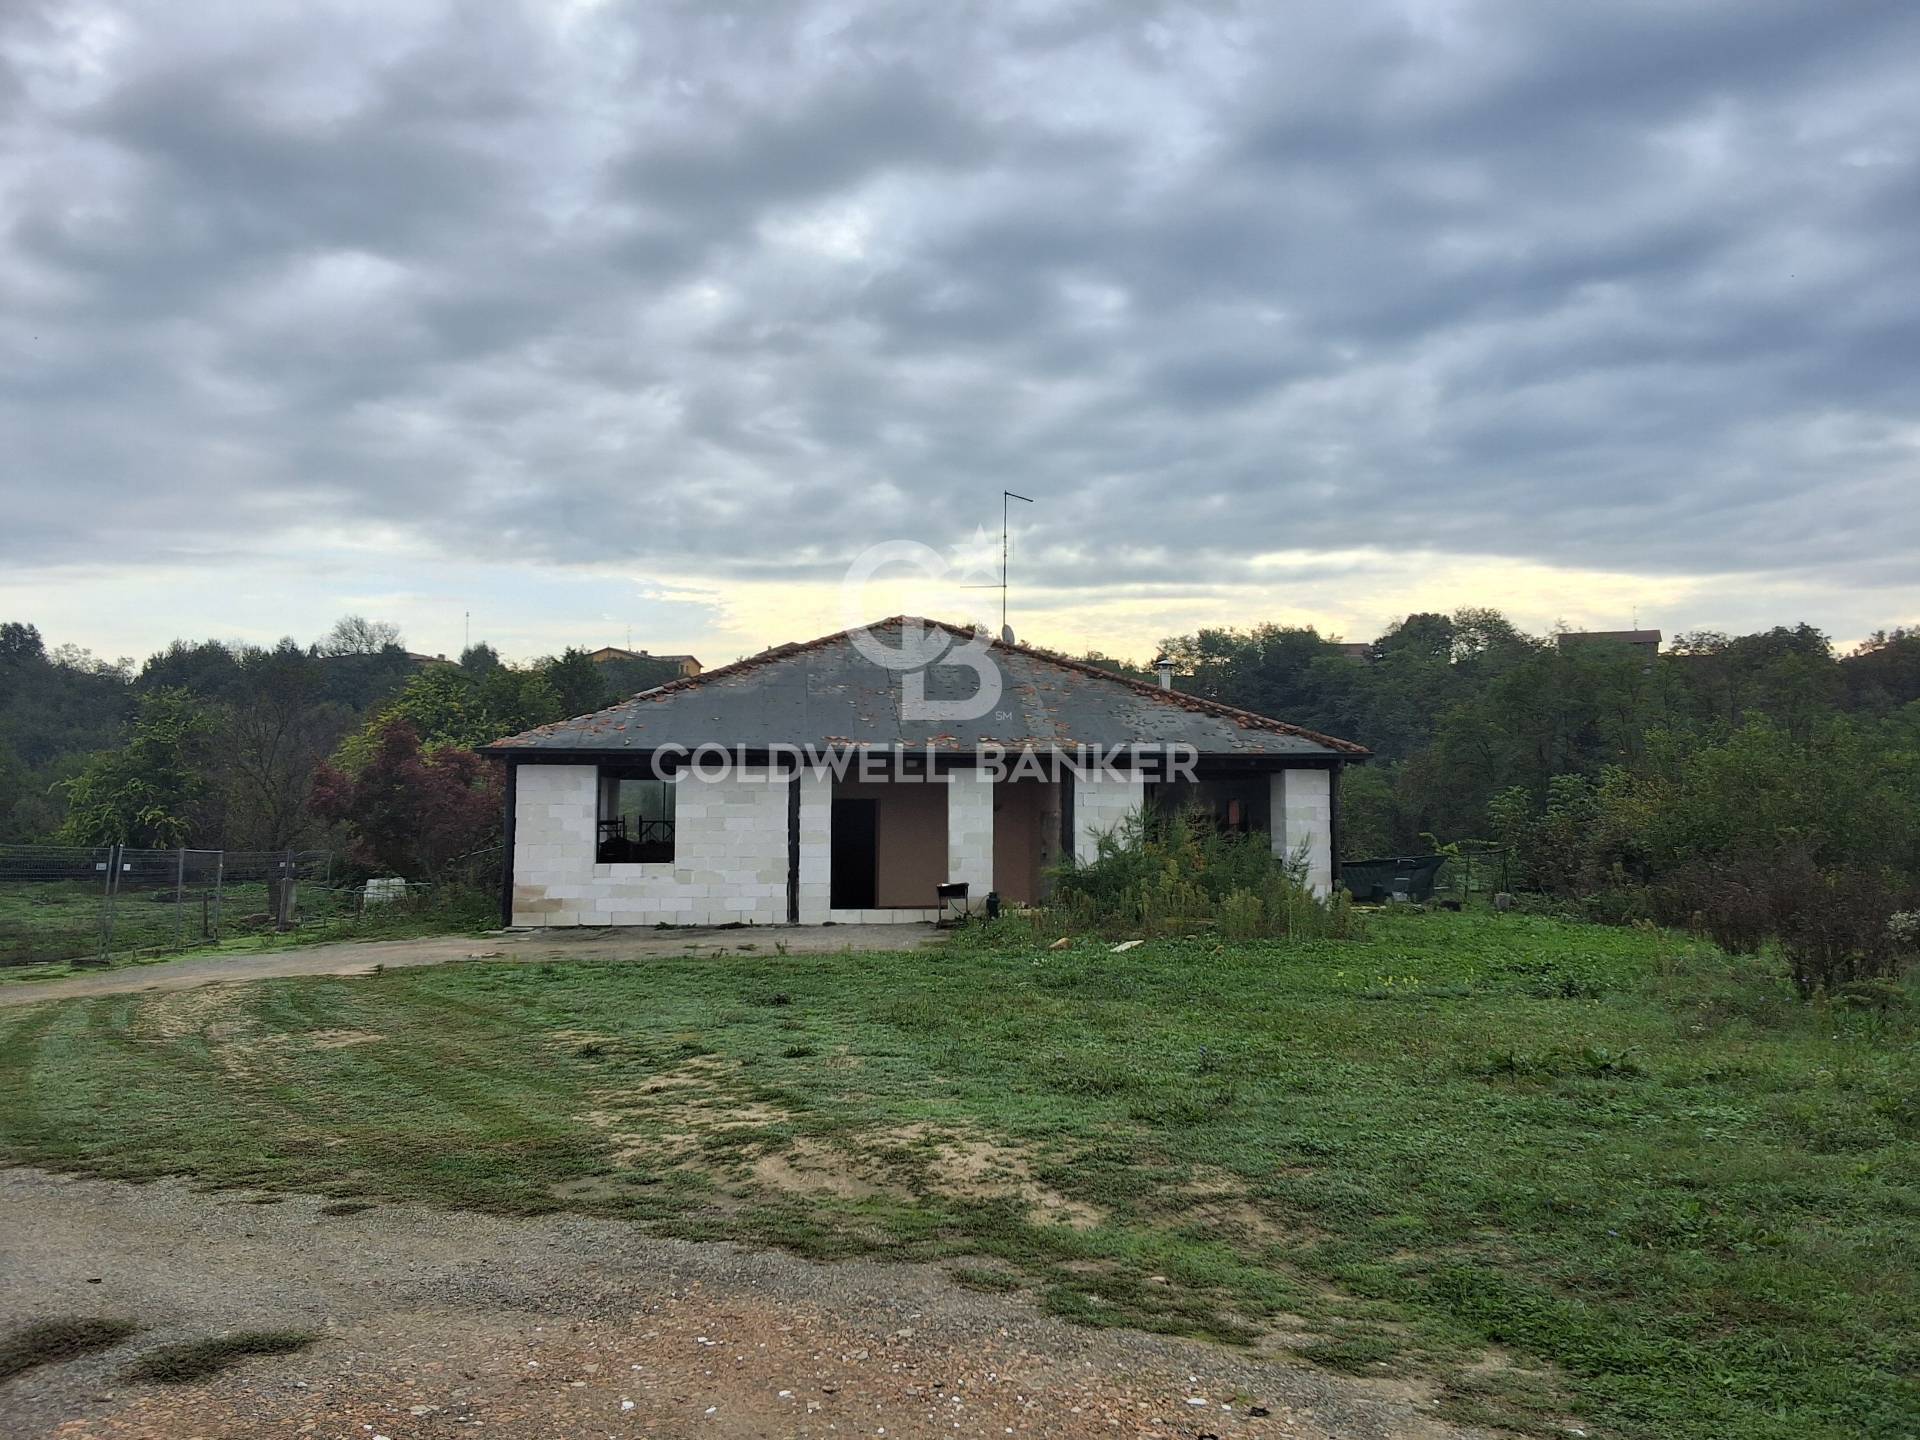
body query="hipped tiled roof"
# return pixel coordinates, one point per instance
(826, 693)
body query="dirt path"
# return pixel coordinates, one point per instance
(437, 1325)
(360, 957)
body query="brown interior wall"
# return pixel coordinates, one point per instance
(1026, 837)
(912, 823)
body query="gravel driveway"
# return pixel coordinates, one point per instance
(437, 1324)
(359, 957)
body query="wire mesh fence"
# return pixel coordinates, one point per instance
(77, 903)
(1476, 867)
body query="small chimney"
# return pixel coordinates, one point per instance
(1163, 667)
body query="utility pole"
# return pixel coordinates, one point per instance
(1005, 496)
(1006, 633)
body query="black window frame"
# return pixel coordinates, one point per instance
(612, 845)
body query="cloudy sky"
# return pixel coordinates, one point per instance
(582, 317)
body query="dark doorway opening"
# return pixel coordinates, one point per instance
(853, 878)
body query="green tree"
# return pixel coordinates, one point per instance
(1271, 669)
(206, 668)
(513, 699)
(480, 658)
(1369, 813)
(1883, 672)
(577, 682)
(1409, 685)
(13, 787)
(145, 793)
(442, 705)
(445, 706)
(271, 739)
(642, 672)
(20, 647)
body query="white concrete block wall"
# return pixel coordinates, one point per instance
(730, 850)
(1302, 811)
(1100, 805)
(970, 832)
(816, 847)
(729, 863)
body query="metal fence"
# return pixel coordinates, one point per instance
(1477, 866)
(80, 903)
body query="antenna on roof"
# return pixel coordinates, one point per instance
(1006, 630)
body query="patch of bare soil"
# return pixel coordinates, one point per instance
(1221, 1201)
(662, 1120)
(911, 1162)
(812, 1168)
(246, 1051)
(337, 1039)
(186, 1013)
(970, 1168)
(238, 1043)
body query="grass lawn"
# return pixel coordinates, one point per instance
(51, 929)
(1571, 1173)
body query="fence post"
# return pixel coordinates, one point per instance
(219, 890)
(106, 903)
(180, 898)
(106, 883)
(283, 917)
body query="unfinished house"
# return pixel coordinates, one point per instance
(794, 788)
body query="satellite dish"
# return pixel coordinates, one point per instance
(1006, 634)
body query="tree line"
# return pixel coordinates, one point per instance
(1753, 785)
(1747, 783)
(350, 741)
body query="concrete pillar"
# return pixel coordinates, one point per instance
(816, 846)
(1302, 813)
(970, 831)
(1100, 805)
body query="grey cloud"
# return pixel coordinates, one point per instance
(862, 121)
(738, 291)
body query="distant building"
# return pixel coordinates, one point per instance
(686, 664)
(1647, 642)
(414, 657)
(1358, 652)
